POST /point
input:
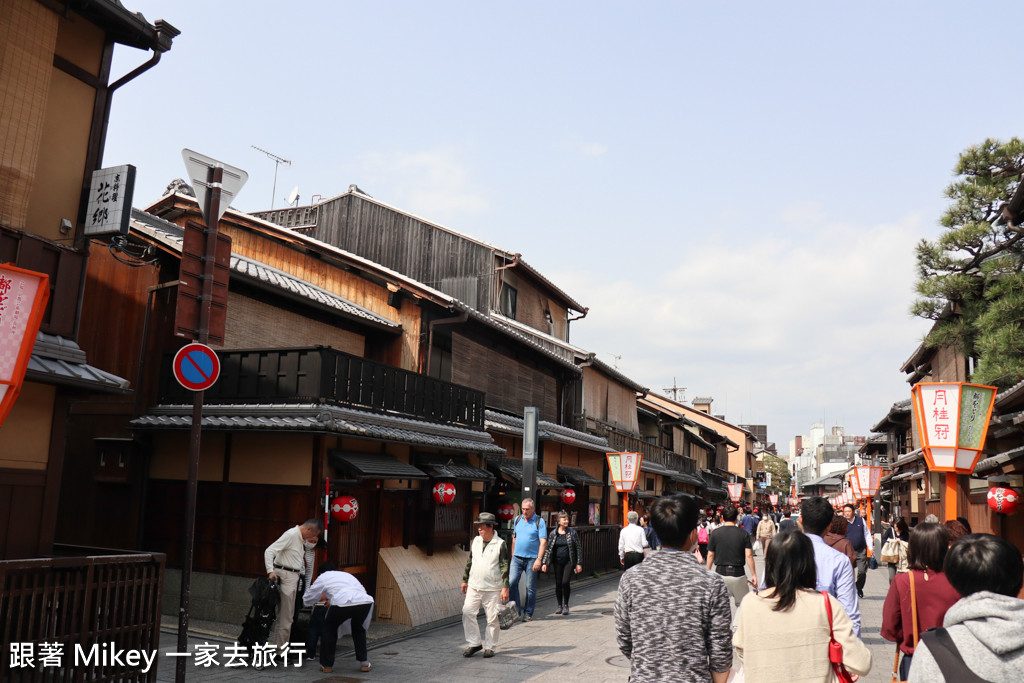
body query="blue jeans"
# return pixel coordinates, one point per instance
(523, 565)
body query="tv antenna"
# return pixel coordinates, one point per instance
(617, 358)
(676, 390)
(277, 162)
(293, 198)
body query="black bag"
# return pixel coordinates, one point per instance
(262, 612)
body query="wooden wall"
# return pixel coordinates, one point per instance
(252, 323)
(608, 400)
(425, 252)
(532, 302)
(509, 384)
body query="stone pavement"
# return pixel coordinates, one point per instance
(550, 648)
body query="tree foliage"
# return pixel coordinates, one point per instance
(781, 478)
(971, 278)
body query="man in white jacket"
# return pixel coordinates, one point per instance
(484, 583)
(285, 562)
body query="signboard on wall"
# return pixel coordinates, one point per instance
(23, 297)
(110, 201)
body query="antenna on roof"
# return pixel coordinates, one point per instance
(293, 198)
(676, 390)
(617, 358)
(277, 162)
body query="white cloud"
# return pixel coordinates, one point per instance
(593, 149)
(810, 317)
(434, 183)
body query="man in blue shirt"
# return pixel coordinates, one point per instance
(749, 524)
(835, 573)
(860, 538)
(529, 539)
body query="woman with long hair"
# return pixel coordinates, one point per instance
(900, 532)
(564, 554)
(932, 594)
(783, 632)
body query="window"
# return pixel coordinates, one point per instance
(507, 301)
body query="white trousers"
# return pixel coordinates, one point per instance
(476, 599)
(288, 583)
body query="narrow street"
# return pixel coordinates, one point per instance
(550, 648)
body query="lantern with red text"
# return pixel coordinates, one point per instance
(735, 491)
(506, 511)
(1003, 500)
(444, 492)
(344, 508)
(568, 496)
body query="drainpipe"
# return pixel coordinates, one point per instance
(430, 337)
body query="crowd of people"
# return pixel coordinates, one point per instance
(691, 606)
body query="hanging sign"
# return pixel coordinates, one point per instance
(735, 491)
(23, 297)
(624, 468)
(110, 201)
(952, 420)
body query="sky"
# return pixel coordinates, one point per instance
(734, 190)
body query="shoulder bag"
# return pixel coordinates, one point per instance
(891, 550)
(835, 648)
(913, 618)
(948, 657)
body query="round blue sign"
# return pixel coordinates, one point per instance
(196, 367)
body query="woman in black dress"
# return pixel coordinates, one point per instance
(564, 555)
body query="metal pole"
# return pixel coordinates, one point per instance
(216, 176)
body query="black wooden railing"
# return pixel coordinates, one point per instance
(74, 603)
(600, 546)
(652, 453)
(321, 374)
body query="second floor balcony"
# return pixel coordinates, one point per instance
(324, 375)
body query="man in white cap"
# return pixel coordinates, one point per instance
(484, 583)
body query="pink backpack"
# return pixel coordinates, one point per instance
(702, 534)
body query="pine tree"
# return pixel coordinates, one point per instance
(971, 279)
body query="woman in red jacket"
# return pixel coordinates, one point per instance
(933, 592)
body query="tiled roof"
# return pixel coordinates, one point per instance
(1009, 394)
(323, 419)
(374, 466)
(172, 236)
(547, 431)
(513, 468)
(56, 360)
(687, 478)
(994, 463)
(453, 468)
(578, 476)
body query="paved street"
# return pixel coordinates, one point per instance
(550, 648)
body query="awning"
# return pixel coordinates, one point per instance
(513, 469)
(324, 419)
(996, 462)
(655, 468)
(374, 466)
(60, 361)
(686, 478)
(578, 476)
(645, 495)
(455, 467)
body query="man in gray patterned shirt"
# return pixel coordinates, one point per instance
(672, 616)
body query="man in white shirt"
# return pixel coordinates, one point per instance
(632, 541)
(345, 598)
(284, 560)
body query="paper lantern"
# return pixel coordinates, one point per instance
(773, 498)
(952, 421)
(868, 478)
(735, 491)
(1003, 500)
(444, 492)
(506, 511)
(568, 496)
(344, 508)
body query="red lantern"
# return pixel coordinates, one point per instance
(568, 496)
(344, 508)
(1003, 500)
(444, 492)
(506, 511)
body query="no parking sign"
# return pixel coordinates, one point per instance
(196, 367)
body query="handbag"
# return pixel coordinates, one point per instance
(506, 615)
(835, 648)
(891, 550)
(913, 619)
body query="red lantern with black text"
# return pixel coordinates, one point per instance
(568, 496)
(344, 508)
(1003, 500)
(444, 492)
(506, 511)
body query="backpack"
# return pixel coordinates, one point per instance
(702, 534)
(536, 520)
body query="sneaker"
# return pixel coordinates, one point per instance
(366, 666)
(559, 610)
(488, 654)
(528, 617)
(470, 651)
(565, 611)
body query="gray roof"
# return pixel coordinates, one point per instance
(994, 463)
(513, 468)
(374, 466)
(1009, 394)
(547, 431)
(172, 236)
(322, 418)
(687, 478)
(56, 360)
(578, 476)
(456, 467)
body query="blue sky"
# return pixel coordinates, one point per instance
(734, 189)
